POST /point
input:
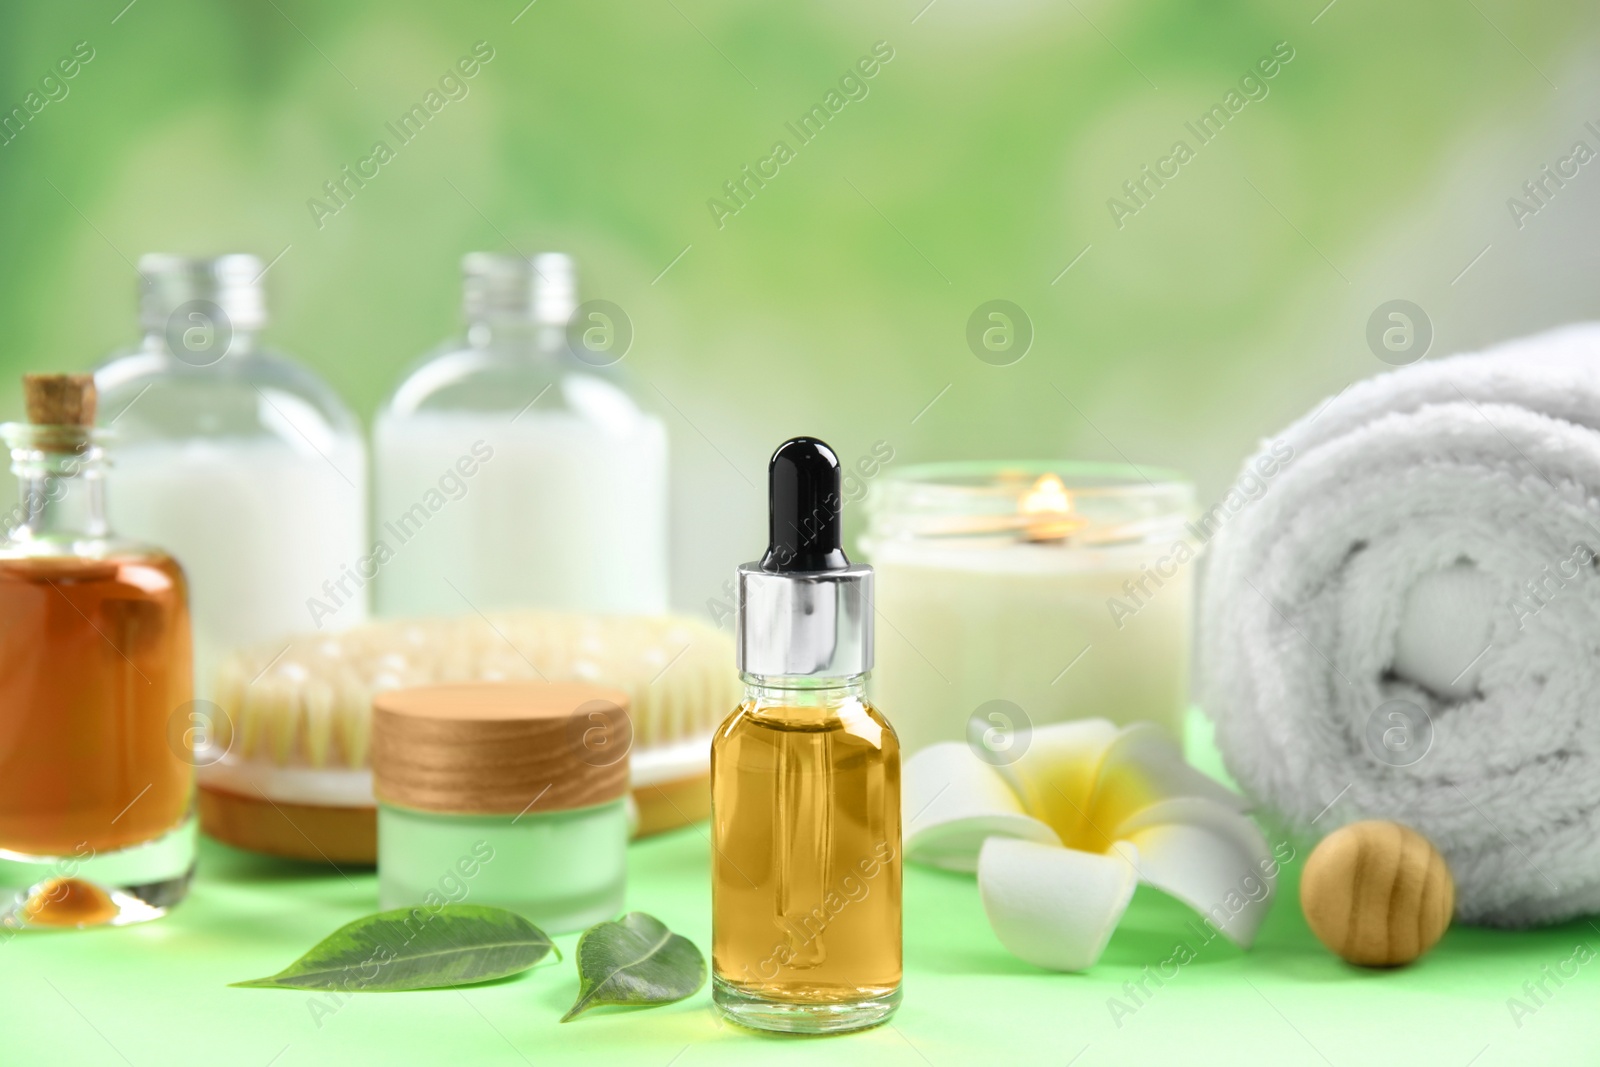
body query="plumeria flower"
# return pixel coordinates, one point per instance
(1060, 837)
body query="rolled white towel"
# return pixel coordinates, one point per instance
(1405, 623)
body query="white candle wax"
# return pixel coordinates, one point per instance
(1081, 626)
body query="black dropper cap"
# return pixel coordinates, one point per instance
(805, 531)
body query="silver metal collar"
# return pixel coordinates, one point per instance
(805, 623)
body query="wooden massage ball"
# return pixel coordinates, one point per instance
(1377, 893)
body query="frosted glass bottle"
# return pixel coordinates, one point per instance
(243, 464)
(516, 470)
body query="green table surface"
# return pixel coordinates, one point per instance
(158, 994)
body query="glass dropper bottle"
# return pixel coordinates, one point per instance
(805, 781)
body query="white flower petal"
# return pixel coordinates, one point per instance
(1055, 777)
(1054, 907)
(1211, 858)
(1085, 778)
(1143, 753)
(952, 801)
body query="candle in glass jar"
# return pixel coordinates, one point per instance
(1014, 595)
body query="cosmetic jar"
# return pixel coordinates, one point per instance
(507, 794)
(284, 753)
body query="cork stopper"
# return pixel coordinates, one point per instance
(59, 399)
(500, 747)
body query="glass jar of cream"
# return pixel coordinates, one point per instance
(507, 794)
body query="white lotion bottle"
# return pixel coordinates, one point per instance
(514, 467)
(243, 464)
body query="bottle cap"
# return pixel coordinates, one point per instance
(59, 399)
(542, 289)
(229, 284)
(500, 747)
(804, 610)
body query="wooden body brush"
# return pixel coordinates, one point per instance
(283, 763)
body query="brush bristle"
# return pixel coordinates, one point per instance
(307, 701)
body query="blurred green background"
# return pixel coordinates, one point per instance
(978, 166)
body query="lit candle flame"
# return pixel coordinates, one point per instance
(1048, 496)
(1047, 511)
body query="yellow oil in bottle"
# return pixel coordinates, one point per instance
(806, 863)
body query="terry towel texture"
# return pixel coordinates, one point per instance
(1406, 623)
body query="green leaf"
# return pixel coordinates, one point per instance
(417, 948)
(635, 961)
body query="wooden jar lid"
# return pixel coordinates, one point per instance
(500, 747)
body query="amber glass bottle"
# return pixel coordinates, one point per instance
(805, 783)
(806, 875)
(96, 784)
